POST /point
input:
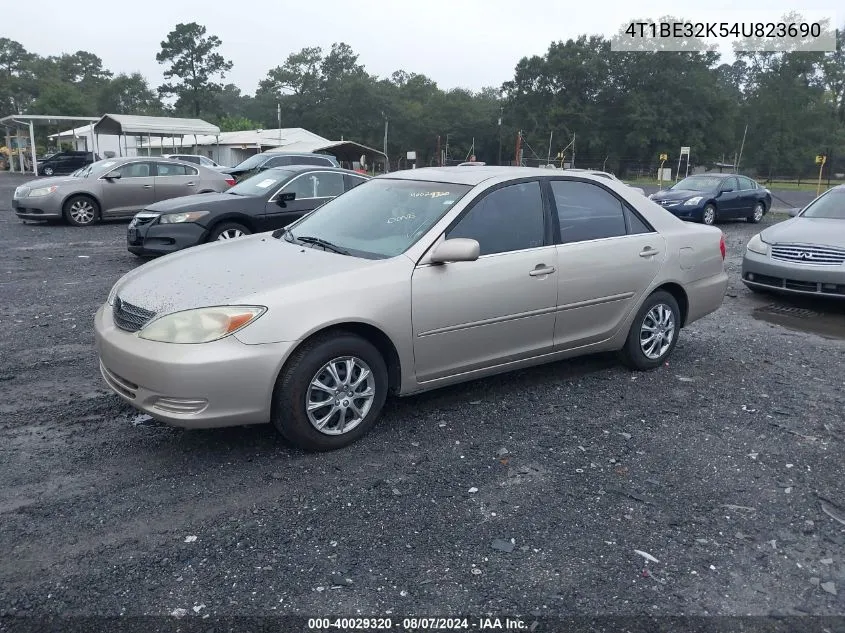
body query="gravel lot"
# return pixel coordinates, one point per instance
(717, 465)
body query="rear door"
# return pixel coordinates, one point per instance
(607, 258)
(173, 180)
(312, 189)
(132, 192)
(747, 195)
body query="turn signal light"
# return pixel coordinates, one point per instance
(722, 246)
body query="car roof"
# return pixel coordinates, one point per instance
(302, 168)
(476, 175)
(271, 154)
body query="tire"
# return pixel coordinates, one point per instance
(757, 214)
(228, 231)
(81, 210)
(47, 171)
(295, 389)
(659, 304)
(708, 215)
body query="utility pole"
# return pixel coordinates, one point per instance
(279, 115)
(741, 147)
(386, 162)
(573, 150)
(439, 157)
(501, 113)
(518, 152)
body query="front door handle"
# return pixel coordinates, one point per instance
(541, 270)
(148, 186)
(648, 251)
(191, 184)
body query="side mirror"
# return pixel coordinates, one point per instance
(115, 175)
(459, 249)
(284, 198)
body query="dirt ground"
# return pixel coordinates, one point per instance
(719, 466)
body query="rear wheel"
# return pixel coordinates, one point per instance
(228, 231)
(47, 171)
(330, 392)
(653, 333)
(708, 216)
(81, 210)
(757, 214)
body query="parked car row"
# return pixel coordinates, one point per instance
(709, 198)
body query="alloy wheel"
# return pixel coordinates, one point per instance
(230, 234)
(82, 212)
(709, 216)
(340, 395)
(758, 212)
(657, 331)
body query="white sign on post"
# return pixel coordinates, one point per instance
(685, 150)
(412, 156)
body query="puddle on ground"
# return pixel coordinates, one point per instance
(828, 323)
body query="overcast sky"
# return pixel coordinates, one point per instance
(458, 43)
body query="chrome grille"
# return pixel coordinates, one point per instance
(808, 254)
(130, 317)
(143, 218)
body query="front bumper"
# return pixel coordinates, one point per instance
(205, 385)
(43, 208)
(765, 273)
(152, 238)
(684, 212)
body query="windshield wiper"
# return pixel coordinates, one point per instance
(321, 242)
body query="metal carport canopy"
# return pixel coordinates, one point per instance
(28, 121)
(126, 124)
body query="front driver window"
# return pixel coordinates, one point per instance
(507, 219)
(133, 170)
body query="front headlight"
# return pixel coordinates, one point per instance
(757, 245)
(651, 196)
(201, 325)
(178, 218)
(42, 191)
(693, 201)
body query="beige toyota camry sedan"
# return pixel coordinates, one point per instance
(411, 281)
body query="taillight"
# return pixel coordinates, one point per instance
(722, 246)
(230, 182)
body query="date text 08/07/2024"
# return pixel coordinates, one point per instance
(419, 624)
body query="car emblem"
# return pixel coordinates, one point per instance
(806, 255)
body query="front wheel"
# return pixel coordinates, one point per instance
(653, 333)
(330, 393)
(757, 214)
(228, 231)
(47, 171)
(708, 216)
(81, 210)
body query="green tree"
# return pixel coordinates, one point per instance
(193, 65)
(128, 94)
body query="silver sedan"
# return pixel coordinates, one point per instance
(804, 255)
(411, 281)
(113, 188)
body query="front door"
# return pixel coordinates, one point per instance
(607, 258)
(132, 192)
(730, 199)
(499, 308)
(173, 180)
(312, 190)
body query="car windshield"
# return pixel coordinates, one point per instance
(95, 169)
(830, 206)
(697, 183)
(252, 162)
(260, 184)
(380, 218)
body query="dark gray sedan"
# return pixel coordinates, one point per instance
(804, 255)
(113, 188)
(268, 200)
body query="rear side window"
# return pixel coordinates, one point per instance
(313, 160)
(279, 161)
(171, 169)
(587, 212)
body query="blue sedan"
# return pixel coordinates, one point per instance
(710, 198)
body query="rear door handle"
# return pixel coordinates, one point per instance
(541, 270)
(191, 184)
(148, 186)
(648, 251)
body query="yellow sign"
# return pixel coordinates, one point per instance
(664, 157)
(821, 159)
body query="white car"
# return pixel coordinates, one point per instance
(196, 159)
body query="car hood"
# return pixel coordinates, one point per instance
(49, 182)
(235, 272)
(800, 230)
(678, 194)
(196, 201)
